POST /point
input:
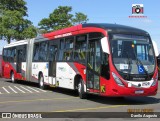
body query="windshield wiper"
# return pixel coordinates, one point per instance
(139, 62)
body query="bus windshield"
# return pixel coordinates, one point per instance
(132, 54)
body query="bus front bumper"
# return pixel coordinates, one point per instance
(126, 91)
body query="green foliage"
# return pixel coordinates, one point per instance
(18, 5)
(61, 18)
(14, 24)
(80, 18)
(58, 19)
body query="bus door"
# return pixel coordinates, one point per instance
(93, 65)
(52, 62)
(21, 57)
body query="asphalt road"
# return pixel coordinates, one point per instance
(27, 97)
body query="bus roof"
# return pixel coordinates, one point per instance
(111, 28)
(114, 28)
(21, 42)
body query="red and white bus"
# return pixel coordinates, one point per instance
(102, 59)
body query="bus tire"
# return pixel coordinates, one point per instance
(13, 77)
(81, 92)
(41, 82)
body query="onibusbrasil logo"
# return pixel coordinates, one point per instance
(137, 11)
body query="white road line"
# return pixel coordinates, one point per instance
(19, 89)
(26, 89)
(5, 89)
(12, 89)
(32, 89)
(0, 92)
(41, 90)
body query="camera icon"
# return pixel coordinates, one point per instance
(137, 9)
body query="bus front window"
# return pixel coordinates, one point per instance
(132, 54)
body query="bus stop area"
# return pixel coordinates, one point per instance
(27, 97)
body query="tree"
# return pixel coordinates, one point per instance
(58, 19)
(80, 18)
(61, 18)
(13, 22)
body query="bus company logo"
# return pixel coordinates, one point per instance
(63, 35)
(35, 66)
(137, 11)
(62, 69)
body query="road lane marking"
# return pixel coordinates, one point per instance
(41, 90)
(19, 89)
(5, 90)
(26, 89)
(32, 89)
(86, 109)
(34, 100)
(0, 92)
(12, 89)
(22, 89)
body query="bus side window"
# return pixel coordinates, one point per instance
(24, 51)
(9, 55)
(36, 52)
(13, 55)
(52, 52)
(43, 51)
(62, 45)
(66, 49)
(68, 52)
(105, 66)
(5, 54)
(20, 54)
(80, 48)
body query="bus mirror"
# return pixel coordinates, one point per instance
(104, 43)
(155, 48)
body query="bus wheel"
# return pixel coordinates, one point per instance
(81, 92)
(13, 77)
(41, 82)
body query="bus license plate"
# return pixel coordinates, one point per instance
(139, 91)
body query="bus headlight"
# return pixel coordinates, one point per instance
(117, 79)
(155, 80)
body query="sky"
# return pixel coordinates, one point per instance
(101, 11)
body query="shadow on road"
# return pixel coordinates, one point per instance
(124, 100)
(99, 99)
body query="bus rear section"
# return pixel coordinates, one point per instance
(14, 60)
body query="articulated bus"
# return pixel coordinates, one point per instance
(102, 59)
